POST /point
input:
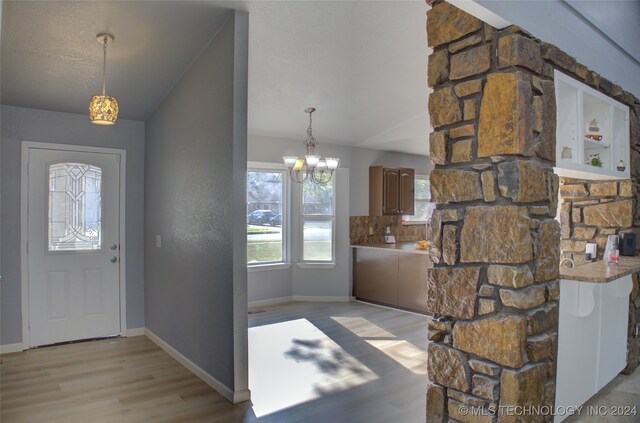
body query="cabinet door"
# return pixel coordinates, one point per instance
(407, 180)
(412, 281)
(376, 275)
(391, 193)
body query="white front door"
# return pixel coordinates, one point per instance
(73, 245)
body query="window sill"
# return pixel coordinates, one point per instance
(317, 265)
(272, 266)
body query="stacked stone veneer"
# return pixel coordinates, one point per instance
(494, 242)
(359, 229)
(589, 212)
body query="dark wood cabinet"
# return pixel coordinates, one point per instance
(376, 275)
(412, 281)
(391, 191)
(389, 277)
(407, 191)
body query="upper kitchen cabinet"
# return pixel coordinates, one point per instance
(592, 132)
(391, 191)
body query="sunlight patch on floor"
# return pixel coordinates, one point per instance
(294, 362)
(363, 328)
(404, 353)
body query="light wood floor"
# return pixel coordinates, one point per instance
(366, 364)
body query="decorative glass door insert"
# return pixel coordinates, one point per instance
(75, 207)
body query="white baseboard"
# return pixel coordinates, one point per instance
(305, 298)
(222, 389)
(271, 301)
(11, 348)
(135, 332)
(390, 308)
(322, 299)
(242, 396)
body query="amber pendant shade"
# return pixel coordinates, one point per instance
(103, 110)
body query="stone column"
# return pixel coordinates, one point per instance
(493, 291)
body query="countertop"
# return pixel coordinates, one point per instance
(600, 272)
(403, 247)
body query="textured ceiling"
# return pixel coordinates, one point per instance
(361, 63)
(51, 59)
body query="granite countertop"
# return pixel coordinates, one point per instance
(404, 247)
(600, 272)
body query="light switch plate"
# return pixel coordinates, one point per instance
(158, 241)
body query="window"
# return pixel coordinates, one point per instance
(423, 206)
(75, 207)
(266, 241)
(317, 221)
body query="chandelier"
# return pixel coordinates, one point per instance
(313, 167)
(103, 109)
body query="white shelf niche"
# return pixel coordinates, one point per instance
(578, 106)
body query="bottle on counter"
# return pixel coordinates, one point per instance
(611, 252)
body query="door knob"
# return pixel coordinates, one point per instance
(113, 259)
(114, 247)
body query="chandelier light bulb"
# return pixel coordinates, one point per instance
(290, 161)
(312, 160)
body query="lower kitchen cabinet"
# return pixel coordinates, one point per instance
(412, 281)
(391, 277)
(376, 275)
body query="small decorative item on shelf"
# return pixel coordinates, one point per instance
(594, 160)
(593, 126)
(422, 245)
(594, 137)
(621, 167)
(566, 154)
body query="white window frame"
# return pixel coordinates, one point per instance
(286, 211)
(416, 200)
(332, 218)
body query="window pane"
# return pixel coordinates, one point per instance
(265, 192)
(422, 189)
(423, 211)
(75, 207)
(317, 240)
(317, 199)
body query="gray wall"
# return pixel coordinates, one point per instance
(352, 199)
(356, 159)
(603, 35)
(20, 124)
(192, 149)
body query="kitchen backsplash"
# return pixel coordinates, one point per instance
(592, 210)
(359, 229)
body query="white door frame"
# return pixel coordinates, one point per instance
(24, 227)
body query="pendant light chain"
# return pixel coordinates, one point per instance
(104, 66)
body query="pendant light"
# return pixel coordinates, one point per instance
(103, 109)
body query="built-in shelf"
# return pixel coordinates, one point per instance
(583, 111)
